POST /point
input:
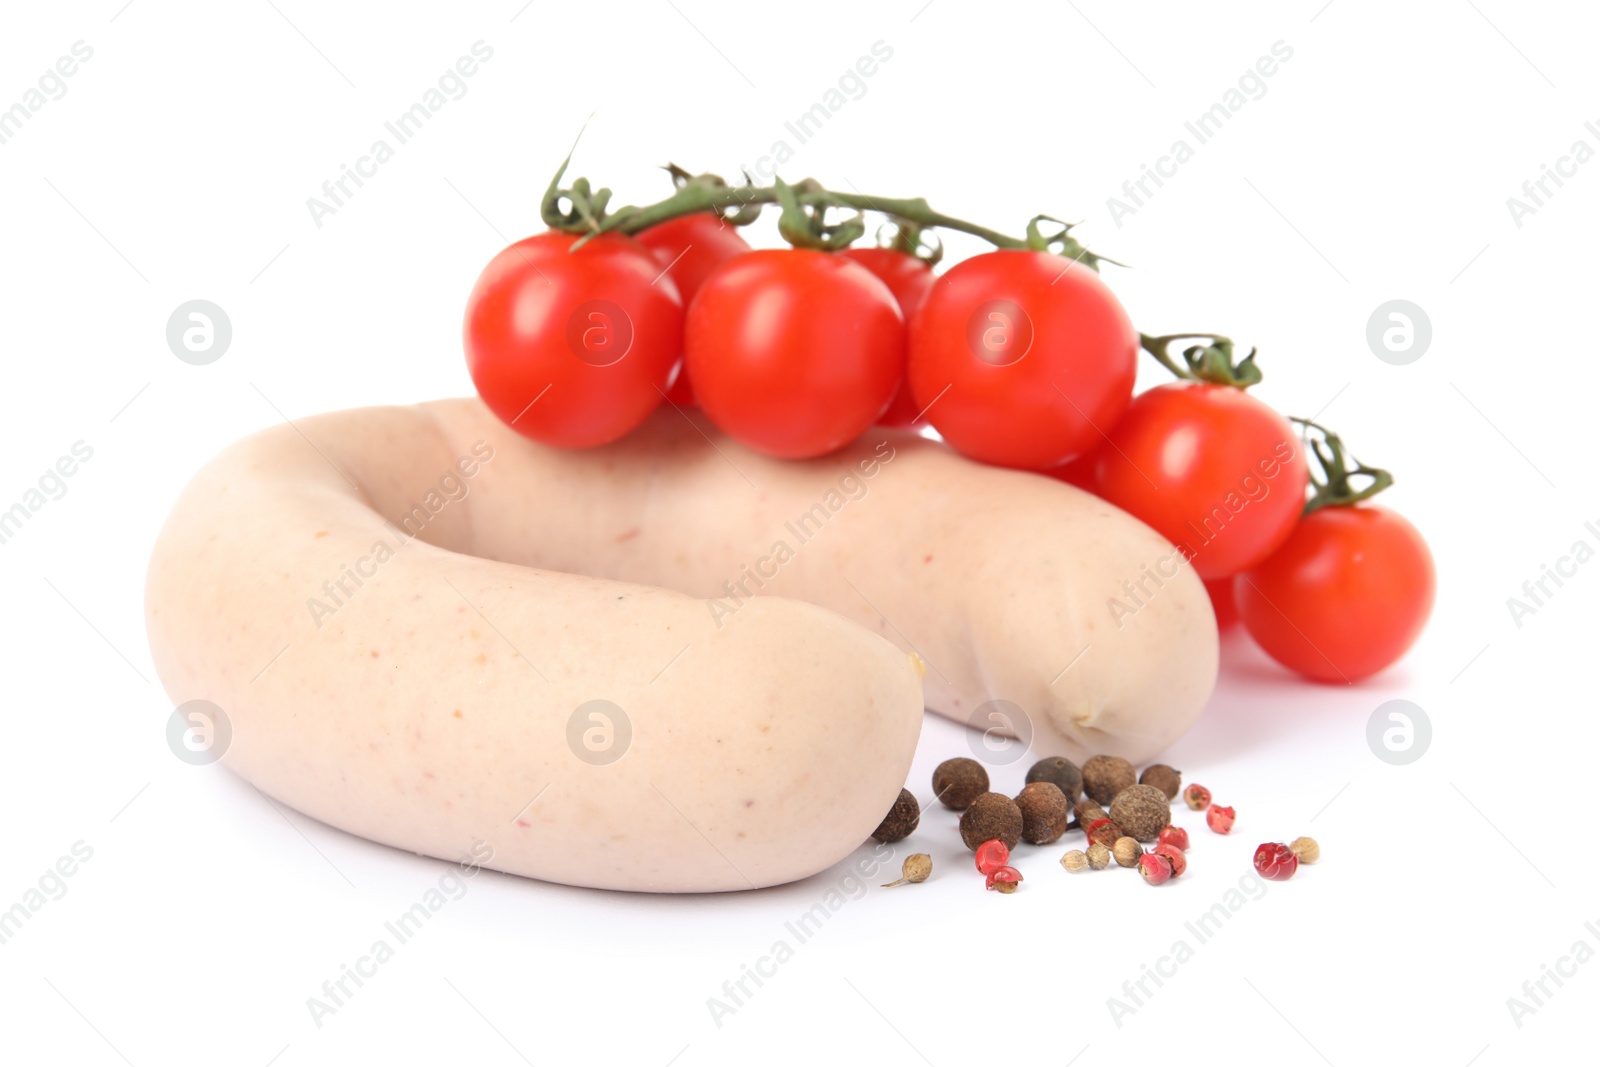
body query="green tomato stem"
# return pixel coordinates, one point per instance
(1212, 362)
(1333, 489)
(586, 214)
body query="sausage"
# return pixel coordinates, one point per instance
(668, 664)
(1015, 588)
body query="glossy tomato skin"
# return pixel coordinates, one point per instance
(572, 348)
(909, 279)
(794, 352)
(689, 248)
(1211, 469)
(1345, 596)
(1021, 355)
(1223, 606)
(1079, 473)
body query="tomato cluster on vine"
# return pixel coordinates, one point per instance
(1020, 357)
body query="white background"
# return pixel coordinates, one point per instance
(1376, 166)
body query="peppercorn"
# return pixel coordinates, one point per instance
(1176, 836)
(1004, 879)
(1075, 861)
(1220, 818)
(1103, 832)
(1127, 852)
(916, 868)
(957, 782)
(1142, 811)
(1306, 848)
(991, 856)
(1198, 797)
(901, 820)
(1059, 771)
(1044, 813)
(990, 817)
(1106, 776)
(1155, 867)
(1088, 811)
(1276, 862)
(1163, 778)
(1174, 856)
(1099, 857)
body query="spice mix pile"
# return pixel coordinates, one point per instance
(1117, 809)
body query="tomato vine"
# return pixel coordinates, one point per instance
(1211, 362)
(804, 219)
(809, 217)
(1333, 489)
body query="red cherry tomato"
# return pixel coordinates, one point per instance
(794, 352)
(1022, 358)
(690, 247)
(1222, 603)
(572, 348)
(909, 279)
(1080, 472)
(1210, 468)
(1344, 597)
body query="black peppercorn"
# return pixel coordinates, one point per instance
(957, 781)
(1087, 811)
(991, 817)
(1142, 811)
(901, 820)
(1044, 813)
(1060, 772)
(1163, 778)
(1106, 776)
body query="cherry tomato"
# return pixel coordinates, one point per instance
(690, 247)
(1222, 603)
(1210, 468)
(572, 348)
(909, 279)
(1344, 597)
(794, 352)
(1080, 472)
(1022, 358)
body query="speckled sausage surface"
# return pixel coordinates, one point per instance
(1014, 587)
(669, 664)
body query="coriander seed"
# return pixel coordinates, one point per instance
(1099, 857)
(916, 868)
(1075, 861)
(1306, 848)
(1126, 851)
